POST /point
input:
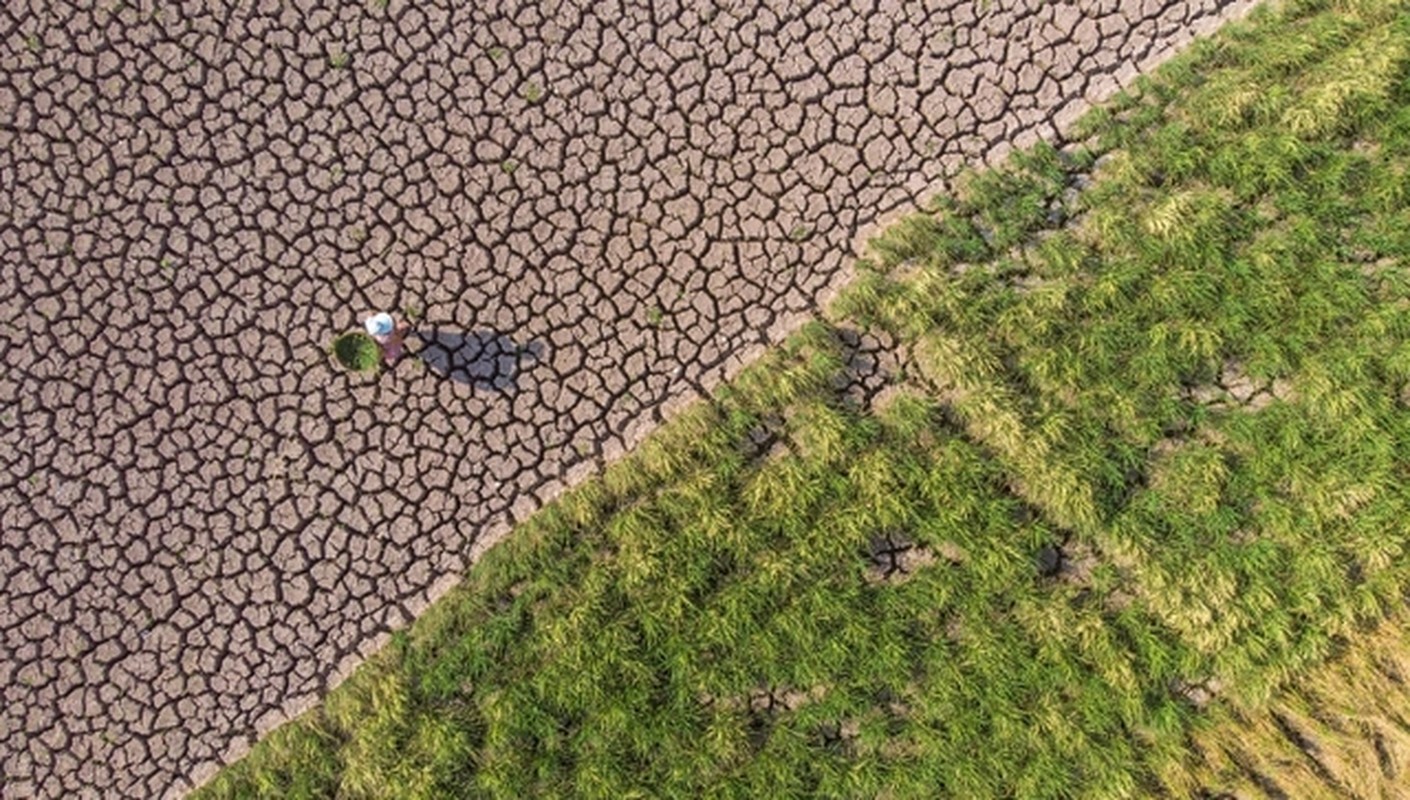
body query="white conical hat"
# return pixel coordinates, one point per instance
(379, 324)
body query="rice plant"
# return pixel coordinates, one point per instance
(1339, 731)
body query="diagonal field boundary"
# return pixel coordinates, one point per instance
(594, 211)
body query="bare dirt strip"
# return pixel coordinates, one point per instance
(595, 210)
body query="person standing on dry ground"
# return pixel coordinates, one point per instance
(389, 335)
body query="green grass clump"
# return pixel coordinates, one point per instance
(356, 351)
(1187, 384)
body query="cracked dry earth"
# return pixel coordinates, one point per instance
(597, 210)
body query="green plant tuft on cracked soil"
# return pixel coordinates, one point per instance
(356, 351)
(1151, 462)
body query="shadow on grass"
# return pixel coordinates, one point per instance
(482, 359)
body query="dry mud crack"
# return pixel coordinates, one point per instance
(596, 209)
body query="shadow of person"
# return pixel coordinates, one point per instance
(482, 359)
